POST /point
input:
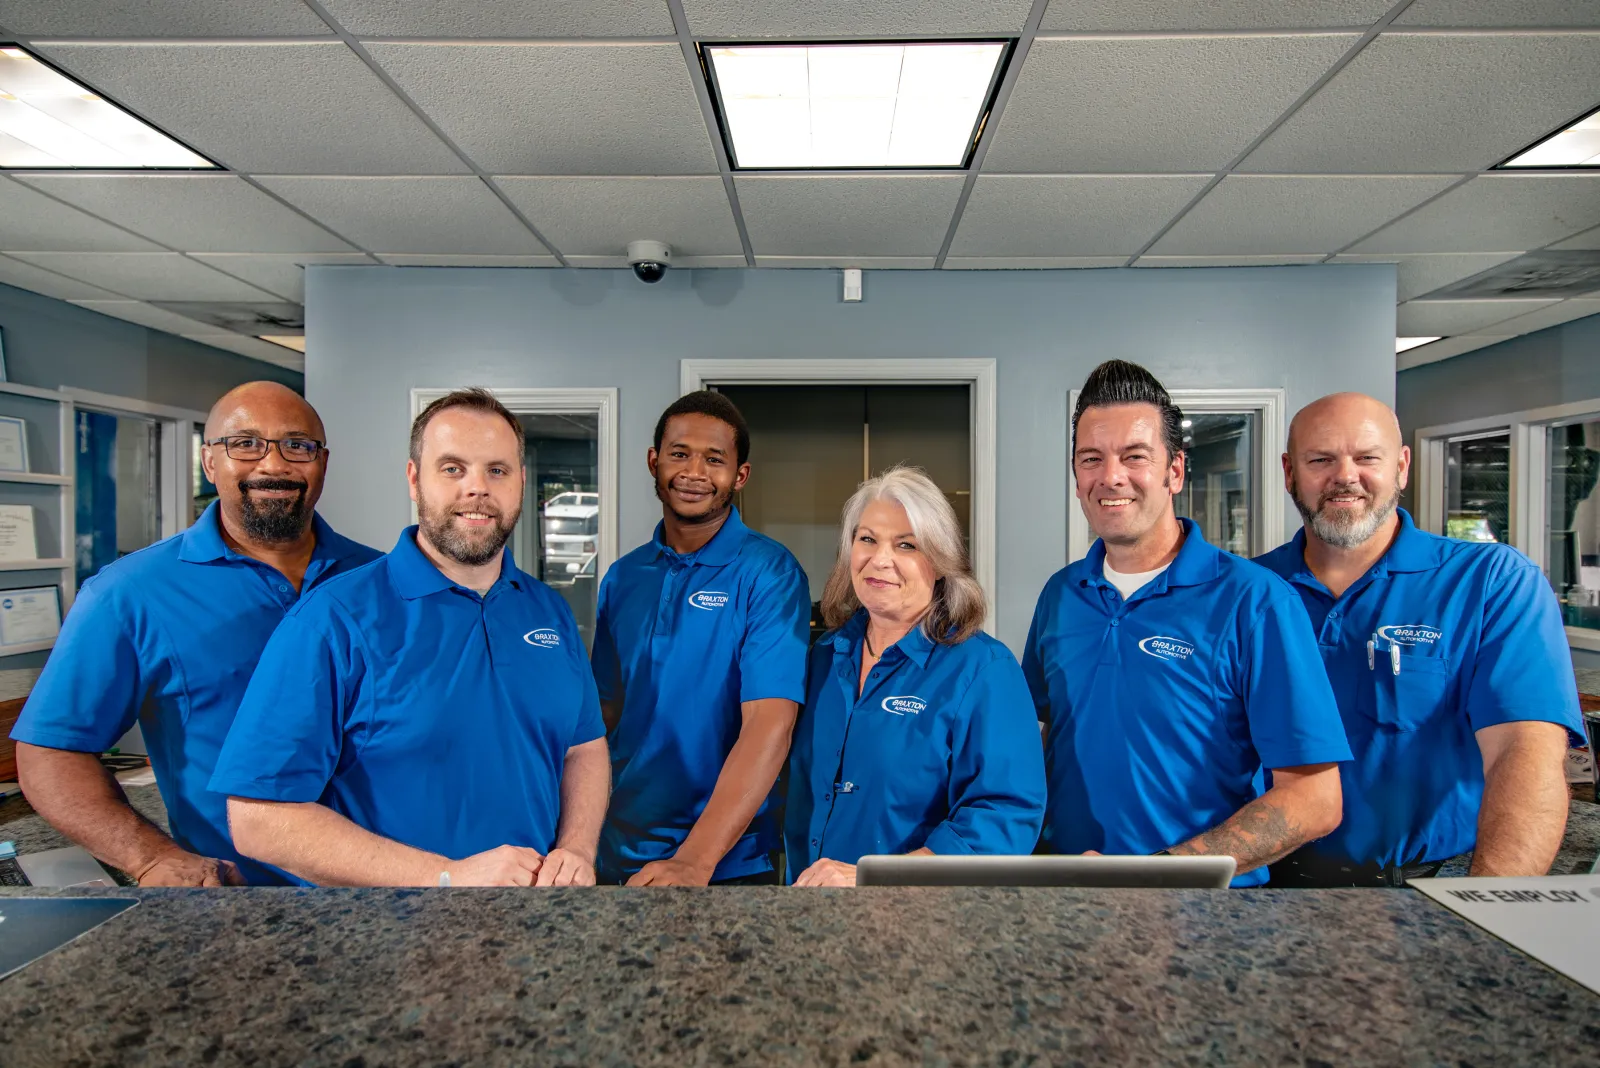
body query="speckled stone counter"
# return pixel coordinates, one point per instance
(781, 976)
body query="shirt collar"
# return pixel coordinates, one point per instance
(915, 646)
(1412, 550)
(723, 548)
(415, 576)
(203, 542)
(1197, 562)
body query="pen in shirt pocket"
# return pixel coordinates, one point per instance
(1372, 654)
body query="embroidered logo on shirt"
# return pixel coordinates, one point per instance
(708, 600)
(1410, 633)
(1164, 648)
(900, 706)
(544, 638)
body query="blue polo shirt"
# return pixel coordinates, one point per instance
(682, 641)
(167, 637)
(939, 750)
(1480, 641)
(1164, 709)
(418, 709)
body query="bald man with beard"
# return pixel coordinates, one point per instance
(1448, 659)
(168, 637)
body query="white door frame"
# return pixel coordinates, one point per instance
(177, 448)
(527, 401)
(979, 375)
(1267, 404)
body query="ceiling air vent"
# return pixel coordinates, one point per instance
(1537, 274)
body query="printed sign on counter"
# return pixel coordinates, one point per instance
(1553, 918)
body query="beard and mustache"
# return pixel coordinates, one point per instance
(274, 520)
(721, 501)
(1343, 529)
(471, 548)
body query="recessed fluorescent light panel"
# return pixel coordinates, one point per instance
(852, 106)
(288, 341)
(50, 122)
(1401, 344)
(1576, 146)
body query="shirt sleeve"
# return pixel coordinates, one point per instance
(285, 741)
(1523, 670)
(1294, 718)
(997, 790)
(590, 724)
(1033, 662)
(772, 658)
(94, 683)
(604, 661)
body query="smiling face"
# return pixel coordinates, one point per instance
(697, 470)
(1125, 480)
(467, 484)
(1345, 468)
(891, 576)
(270, 500)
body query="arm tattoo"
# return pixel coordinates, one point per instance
(1259, 833)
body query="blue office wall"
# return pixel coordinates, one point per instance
(51, 343)
(374, 333)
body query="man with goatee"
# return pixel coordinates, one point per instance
(430, 719)
(167, 637)
(700, 655)
(1448, 660)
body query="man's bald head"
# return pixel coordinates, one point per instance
(268, 501)
(268, 398)
(1345, 467)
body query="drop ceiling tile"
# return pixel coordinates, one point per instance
(502, 18)
(870, 263)
(848, 216)
(623, 109)
(1164, 15)
(147, 275)
(1494, 13)
(412, 215)
(1418, 275)
(1152, 105)
(1227, 261)
(169, 18)
(1256, 215)
(191, 212)
(1444, 348)
(1544, 318)
(48, 283)
(402, 260)
(599, 216)
(1450, 318)
(312, 108)
(282, 276)
(32, 222)
(255, 348)
(1437, 102)
(1587, 240)
(851, 18)
(1495, 211)
(1030, 263)
(1069, 215)
(144, 314)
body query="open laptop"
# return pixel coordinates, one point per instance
(1170, 873)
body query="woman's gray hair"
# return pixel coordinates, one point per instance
(958, 607)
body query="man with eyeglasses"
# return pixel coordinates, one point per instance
(168, 637)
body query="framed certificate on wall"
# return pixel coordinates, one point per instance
(13, 443)
(28, 616)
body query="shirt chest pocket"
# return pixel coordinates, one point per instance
(1411, 698)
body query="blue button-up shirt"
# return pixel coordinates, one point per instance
(940, 750)
(1477, 635)
(167, 637)
(1164, 709)
(682, 642)
(418, 709)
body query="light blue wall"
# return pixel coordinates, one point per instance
(51, 343)
(374, 333)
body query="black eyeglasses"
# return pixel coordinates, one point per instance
(247, 447)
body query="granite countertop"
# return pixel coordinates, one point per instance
(781, 976)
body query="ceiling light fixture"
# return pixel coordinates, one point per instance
(1401, 344)
(854, 106)
(1577, 145)
(288, 341)
(50, 122)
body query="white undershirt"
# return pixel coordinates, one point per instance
(1128, 585)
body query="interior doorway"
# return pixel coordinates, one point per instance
(812, 445)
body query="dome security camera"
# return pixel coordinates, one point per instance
(649, 259)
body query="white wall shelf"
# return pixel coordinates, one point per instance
(34, 565)
(35, 480)
(50, 418)
(30, 647)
